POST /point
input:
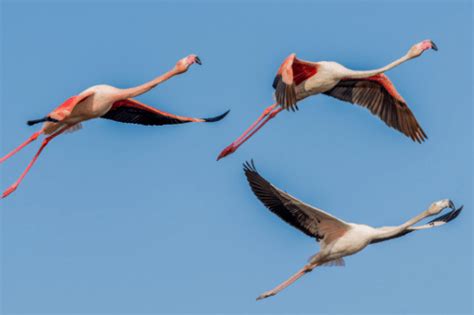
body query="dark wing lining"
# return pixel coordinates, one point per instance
(372, 94)
(445, 218)
(134, 112)
(311, 221)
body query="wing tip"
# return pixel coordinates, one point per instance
(420, 136)
(216, 118)
(249, 167)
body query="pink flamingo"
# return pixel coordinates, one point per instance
(336, 237)
(105, 101)
(297, 79)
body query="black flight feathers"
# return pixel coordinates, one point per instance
(216, 118)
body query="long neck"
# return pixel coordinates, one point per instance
(138, 90)
(390, 231)
(365, 74)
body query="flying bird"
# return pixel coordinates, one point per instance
(297, 79)
(105, 101)
(336, 237)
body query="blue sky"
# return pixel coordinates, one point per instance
(121, 218)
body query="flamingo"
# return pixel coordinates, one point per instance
(297, 79)
(105, 101)
(337, 238)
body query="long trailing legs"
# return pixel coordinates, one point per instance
(32, 138)
(307, 268)
(269, 113)
(45, 142)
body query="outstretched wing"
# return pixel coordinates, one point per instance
(310, 220)
(135, 112)
(443, 219)
(379, 95)
(292, 72)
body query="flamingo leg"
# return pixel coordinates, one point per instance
(45, 142)
(264, 114)
(270, 112)
(283, 285)
(32, 138)
(271, 116)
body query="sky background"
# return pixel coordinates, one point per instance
(121, 218)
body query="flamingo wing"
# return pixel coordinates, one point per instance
(379, 96)
(65, 109)
(291, 73)
(135, 112)
(312, 221)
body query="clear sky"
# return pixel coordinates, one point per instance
(121, 218)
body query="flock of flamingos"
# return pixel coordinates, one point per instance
(296, 79)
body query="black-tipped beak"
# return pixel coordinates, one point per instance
(451, 205)
(433, 46)
(198, 61)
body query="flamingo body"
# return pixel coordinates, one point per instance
(337, 238)
(94, 102)
(355, 239)
(101, 101)
(105, 101)
(298, 79)
(327, 76)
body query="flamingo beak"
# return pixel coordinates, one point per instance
(433, 46)
(451, 205)
(198, 61)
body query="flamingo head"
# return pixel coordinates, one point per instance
(438, 206)
(417, 49)
(183, 64)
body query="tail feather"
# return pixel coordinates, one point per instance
(37, 121)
